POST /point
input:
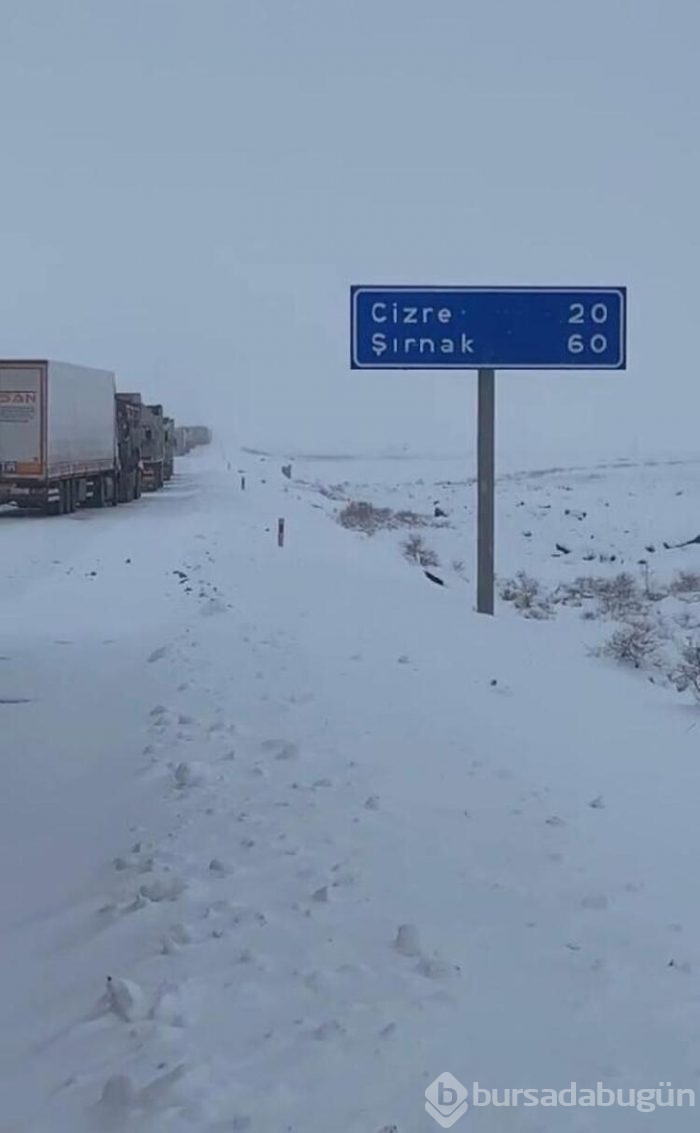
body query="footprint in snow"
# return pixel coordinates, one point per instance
(173, 1006)
(188, 775)
(434, 968)
(177, 937)
(329, 1030)
(120, 1099)
(212, 607)
(407, 941)
(116, 1103)
(597, 901)
(343, 878)
(162, 889)
(159, 653)
(280, 749)
(135, 862)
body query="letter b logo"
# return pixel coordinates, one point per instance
(446, 1100)
(446, 1095)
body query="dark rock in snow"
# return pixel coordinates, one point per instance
(433, 578)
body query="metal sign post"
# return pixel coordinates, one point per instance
(486, 503)
(488, 329)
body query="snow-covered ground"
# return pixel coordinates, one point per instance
(287, 833)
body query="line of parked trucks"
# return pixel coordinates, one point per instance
(69, 439)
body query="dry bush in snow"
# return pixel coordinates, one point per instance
(634, 643)
(686, 674)
(525, 594)
(617, 597)
(686, 582)
(416, 551)
(359, 515)
(415, 519)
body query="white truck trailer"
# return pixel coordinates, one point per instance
(58, 436)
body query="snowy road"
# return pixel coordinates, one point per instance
(235, 771)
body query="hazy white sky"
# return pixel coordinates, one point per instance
(189, 187)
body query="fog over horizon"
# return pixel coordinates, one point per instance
(189, 189)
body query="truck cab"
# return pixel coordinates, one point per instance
(153, 447)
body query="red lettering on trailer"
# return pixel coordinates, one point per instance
(17, 397)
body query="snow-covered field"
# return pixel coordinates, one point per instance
(287, 833)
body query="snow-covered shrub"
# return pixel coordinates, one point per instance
(619, 596)
(686, 675)
(416, 551)
(359, 515)
(634, 643)
(686, 582)
(525, 594)
(415, 519)
(616, 597)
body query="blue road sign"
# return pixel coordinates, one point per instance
(500, 328)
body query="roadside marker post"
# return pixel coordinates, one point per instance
(487, 329)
